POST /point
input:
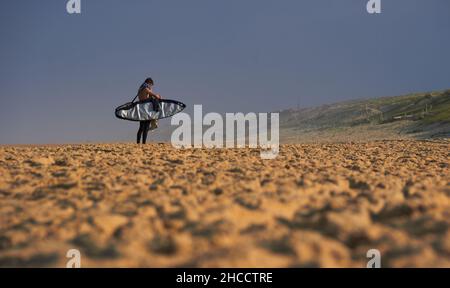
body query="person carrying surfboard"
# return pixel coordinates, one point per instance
(145, 92)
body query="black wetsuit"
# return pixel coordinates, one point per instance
(144, 126)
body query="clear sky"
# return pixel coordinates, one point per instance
(61, 75)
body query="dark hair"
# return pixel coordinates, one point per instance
(149, 81)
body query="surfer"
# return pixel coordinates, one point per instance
(145, 92)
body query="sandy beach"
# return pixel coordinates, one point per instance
(315, 205)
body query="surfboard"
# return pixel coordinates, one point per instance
(144, 110)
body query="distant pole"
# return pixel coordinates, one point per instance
(367, 113)
(297, 114)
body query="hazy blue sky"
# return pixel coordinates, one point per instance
(61, 75)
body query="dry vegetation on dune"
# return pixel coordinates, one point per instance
(154, 206)
(411, 116)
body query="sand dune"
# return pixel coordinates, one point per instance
(326, 205)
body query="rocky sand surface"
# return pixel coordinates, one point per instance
(315, 205)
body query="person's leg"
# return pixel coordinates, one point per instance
(145, 129)
(140, 131)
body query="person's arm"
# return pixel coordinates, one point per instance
(150, 92)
